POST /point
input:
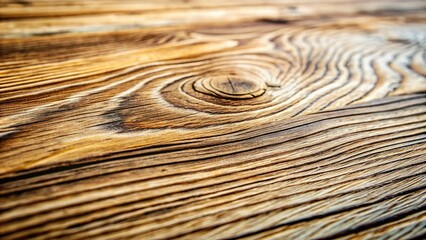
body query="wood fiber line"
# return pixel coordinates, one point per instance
(212, 120)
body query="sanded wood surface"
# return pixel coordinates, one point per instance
(212, 119)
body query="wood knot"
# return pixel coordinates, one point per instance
(231, 87)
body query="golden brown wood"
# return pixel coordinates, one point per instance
(212, 119)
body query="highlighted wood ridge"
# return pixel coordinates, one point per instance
(212, 120)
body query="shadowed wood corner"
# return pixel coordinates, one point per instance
(212, 119)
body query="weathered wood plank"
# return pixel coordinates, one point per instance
(154, 120)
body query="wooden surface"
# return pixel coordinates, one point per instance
(212, 119)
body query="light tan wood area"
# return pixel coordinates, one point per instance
(212, 119)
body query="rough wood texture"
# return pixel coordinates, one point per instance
(212, 119)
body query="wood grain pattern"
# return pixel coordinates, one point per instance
(212, 120)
